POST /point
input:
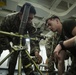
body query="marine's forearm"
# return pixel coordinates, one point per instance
(70, 43)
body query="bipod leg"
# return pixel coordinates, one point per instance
(19, 64)
(6, 57)
(33, 62)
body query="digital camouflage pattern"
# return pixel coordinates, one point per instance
(50, 46)
(11, 23)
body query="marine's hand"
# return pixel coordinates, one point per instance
(57, 50)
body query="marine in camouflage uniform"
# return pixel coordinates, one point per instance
(50, 45)
(35, 49)
(11, 23)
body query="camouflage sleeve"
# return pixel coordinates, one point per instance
(6, 24)
(4, 41)
(31, 29)
(34, 44)
(34, 47)
(48, 47)
(51, 44)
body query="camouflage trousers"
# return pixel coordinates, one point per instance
(51, 66)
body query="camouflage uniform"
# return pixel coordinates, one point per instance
(35, 47)
(11, 24)
(50, 45)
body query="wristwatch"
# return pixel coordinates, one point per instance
(62, 46)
